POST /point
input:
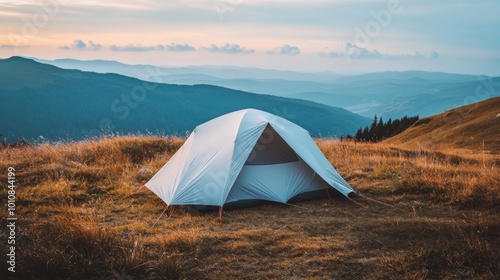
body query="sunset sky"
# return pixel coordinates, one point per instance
(345, 36)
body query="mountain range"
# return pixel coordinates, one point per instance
(44, 101)
(388, 94)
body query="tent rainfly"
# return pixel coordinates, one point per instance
(245, 155)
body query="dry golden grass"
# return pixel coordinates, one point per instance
(83, 214)
(451, 176)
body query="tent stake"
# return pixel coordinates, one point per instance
(327, 192)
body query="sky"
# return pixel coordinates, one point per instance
(343, 36)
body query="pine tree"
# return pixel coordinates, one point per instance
(388, 129)
(378, 133)
(359, 135)
(374, 123)
(378, 130)
(366, 134)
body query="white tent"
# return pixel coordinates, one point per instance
(245, 155)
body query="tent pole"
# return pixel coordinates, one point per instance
(220, 212)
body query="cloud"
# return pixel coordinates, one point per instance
(349, 50)
(353, 51)
(285, 49)
(228, 48)
(434, 54)
(416, 55)
(180, 47)
(81, 45)
(13, 46)
(136, 48)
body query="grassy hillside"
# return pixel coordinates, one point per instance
(83, 214)
(43, 100)
(475, 127)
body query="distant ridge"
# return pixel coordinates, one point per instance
(412, 74)
(472, 127)
(391, 94)
(40, 100)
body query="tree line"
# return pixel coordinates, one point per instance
(380, 130)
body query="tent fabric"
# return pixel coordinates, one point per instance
(247, 154)
(260, 182)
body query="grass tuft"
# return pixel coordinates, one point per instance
(75, 246)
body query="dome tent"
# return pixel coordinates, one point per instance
(245, 155)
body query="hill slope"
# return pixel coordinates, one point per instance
(43, 100)
(468, 127)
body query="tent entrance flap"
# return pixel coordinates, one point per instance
(271, 149)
